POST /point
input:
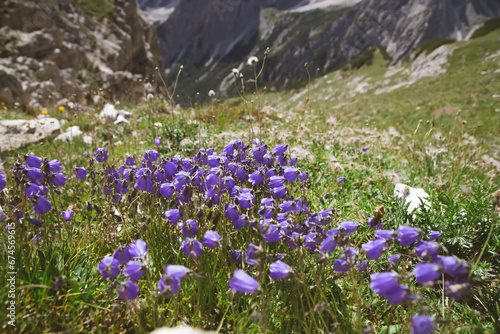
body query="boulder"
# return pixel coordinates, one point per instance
(18, 133)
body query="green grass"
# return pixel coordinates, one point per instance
(432, 44)
(59, 288)
(488, 27)
(95, 8)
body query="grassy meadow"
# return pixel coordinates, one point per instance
(352, 142)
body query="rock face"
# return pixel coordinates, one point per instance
(209, 37)
(17, 133)
(67, 49)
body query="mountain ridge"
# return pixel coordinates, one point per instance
(209, 37)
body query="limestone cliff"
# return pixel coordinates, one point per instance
(53, 51)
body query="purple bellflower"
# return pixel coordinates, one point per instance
(242, 282)
(109, 267)
(279, 270)
(128, 290)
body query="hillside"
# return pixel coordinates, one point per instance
(364, 200)
(324, 33)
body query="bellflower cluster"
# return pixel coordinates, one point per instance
(245, 203)
(38, 178)
(131, 262)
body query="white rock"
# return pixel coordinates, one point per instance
(180, 330)
(72, 131)
(109, 111)
(121, 119)
(415, 197)
(17, 133)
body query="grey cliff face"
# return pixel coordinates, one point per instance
(209, 37)
(59, 51)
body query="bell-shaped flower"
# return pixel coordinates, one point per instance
(242, 282)
(374, 248)
(388, 235)
(189, 228)
(290, 173)
(36, 222)
(422, 324)
(176, 271)
(276, 182)
(231, 211)
(427, 249)
(33, 161)
(42, 205)
(138, 249)
(426, 272)
(134, 270)
(237, 256)
(245, 199)
(130, 161)
(279, 270)
(341, 265)
(109, 267)
(408, 235)
(348, 226)
(394, 259)
(386, 284)
(173, 216)
(452, 265)
(54, 166)
(257, 177)
(80, 172)
(328, 246)
(122, 254)
(211, 239)
(288, 206)
(433, 235)
(192, 248)
(280, 149)
(3, 181)
(33, 190)
(34, 175)
(128, 290)
(279, 192)
(58, 179)
(167, 190)
(68, 215)
(101, 155)
(168, 285)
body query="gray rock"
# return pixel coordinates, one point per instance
(51, 50)
(71, 132)
(17, 133)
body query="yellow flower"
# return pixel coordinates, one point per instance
(61, 108)
(45, 112)
(3, 103)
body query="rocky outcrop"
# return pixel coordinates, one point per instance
(209, 37)
(17, 133)
(54, 51)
